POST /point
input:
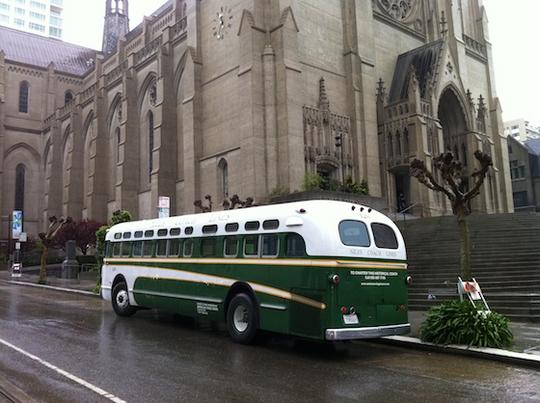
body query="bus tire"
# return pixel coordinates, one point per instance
(242, 319)
(120, 300)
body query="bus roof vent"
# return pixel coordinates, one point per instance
(294, 222)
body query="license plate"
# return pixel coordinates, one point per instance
(350, 319)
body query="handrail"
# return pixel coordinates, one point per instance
(408, 208)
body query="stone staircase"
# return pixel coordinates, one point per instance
(505, 261)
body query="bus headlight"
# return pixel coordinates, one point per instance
(334, 279)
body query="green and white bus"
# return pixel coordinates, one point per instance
(319, 269)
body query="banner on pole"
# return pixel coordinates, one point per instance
(16, 224)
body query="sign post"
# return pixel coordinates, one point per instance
(164, 207)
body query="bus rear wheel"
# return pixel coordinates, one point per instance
(242, 319)
(120, 300)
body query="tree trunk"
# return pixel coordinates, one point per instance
(42, 268)
(465, 247)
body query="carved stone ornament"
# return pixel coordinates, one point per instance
(400, 10)
(222, 22)
(152, 91)
(119, 112)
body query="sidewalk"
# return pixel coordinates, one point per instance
(525, 349)
(30, 276)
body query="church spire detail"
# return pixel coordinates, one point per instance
(116, 24)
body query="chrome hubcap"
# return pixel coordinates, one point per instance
(122, 299)
(240, 318)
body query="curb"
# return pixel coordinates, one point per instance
(54, 288)
(479, 352)
(13, 393)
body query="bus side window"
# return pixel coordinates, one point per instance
(384, 236)
(174, 247)
(251, 245)
(148, 248)
(230, 248)
(137, 249)
(270, 245)
(126, 249)
(161, 250)
(296, 247)
(208, 247)
(188, 248)
(116, 249)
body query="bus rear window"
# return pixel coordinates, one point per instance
(354, 233)
(384, 236)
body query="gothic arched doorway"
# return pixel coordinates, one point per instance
(454, 125)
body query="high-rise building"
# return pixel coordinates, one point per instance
(521, 129)
(42, 17)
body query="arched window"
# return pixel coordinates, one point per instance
(398, 144)
(117, 145)
(223, 179)
(20, 172)
(23, 97)
(68, 97)
(150, 145)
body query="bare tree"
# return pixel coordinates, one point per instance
(200, 205)
(455, 189)
(47, 240)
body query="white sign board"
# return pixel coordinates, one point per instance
(16, 270)
(164, 202)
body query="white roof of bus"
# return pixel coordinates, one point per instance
(316, 220)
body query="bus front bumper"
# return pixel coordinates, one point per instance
(367, 332)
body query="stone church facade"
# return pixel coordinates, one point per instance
(246, 97)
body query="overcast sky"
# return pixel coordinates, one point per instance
(514, 33)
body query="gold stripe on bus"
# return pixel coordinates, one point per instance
(201, 278)
(269, 262)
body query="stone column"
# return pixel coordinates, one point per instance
(191, 121)
(54, 184)
(97, 197)
(164, 177)
(74, 205)
(361, 89)
(252, 84)
(290, 100)
(127, 183)
(3, 224)
(270, 117)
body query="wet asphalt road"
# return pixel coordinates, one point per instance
(155, 357)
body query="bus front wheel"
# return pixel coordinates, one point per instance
(120, 300)
(242, 319)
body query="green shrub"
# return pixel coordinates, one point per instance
(313, 181)
(456, 322)
(279, 191)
